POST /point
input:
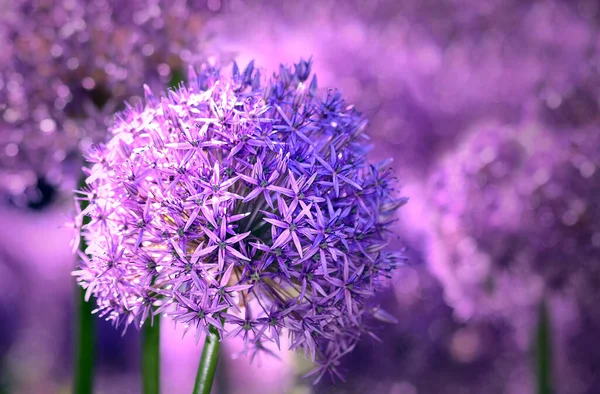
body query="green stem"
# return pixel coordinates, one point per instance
(85, 340)
(543, 351)
(84, 362)
(208, 363)
(151, 357)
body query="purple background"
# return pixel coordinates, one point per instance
(491, 113)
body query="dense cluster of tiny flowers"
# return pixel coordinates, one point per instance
(516, 224)
(516, 217)
(65, 67)
(244, 204)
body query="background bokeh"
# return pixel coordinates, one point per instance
(490, 110)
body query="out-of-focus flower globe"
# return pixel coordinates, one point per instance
(515, 222)
(66, 66)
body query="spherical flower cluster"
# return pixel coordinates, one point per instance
(515, 217)
(244, 204)
(514, 206)
(516, 224)
(65, 66)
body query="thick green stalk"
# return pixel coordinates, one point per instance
(85, 347)
(151, 357)
(85, 338)
(543, 351)
(208, 363)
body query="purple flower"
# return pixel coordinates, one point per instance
(67, 66)
(244, 203)
(516, 223)
(513, 207)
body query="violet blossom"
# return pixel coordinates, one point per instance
(66, 66)
(243, 203)
(515, 224)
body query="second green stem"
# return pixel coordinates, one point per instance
(208, 363)
(151, 357)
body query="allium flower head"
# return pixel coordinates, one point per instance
(242, 203)
(515, 217)
(65, 66)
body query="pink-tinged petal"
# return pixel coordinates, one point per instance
(237, 238)
(240, 216)
(221, 258)
(147, 208)
(359, 272)
(269, 199)
(237, 254)
(216, 178)
(348, 298)
(336, 185)
(320, 217)
(183, 300)
(260, 246)
(281, 190)
(282, 206)
(277, 223)
(273, 177)
(178, 250)
(253, 194)
(283, 238)
(238, 288)
(258, 168)
(335, 281)
(291, 209)
(283, 267)
(208, 215)
(305, 211)
(293, 183)
(191, 219)
(383, 316)
(201, 252)
(248, 179)
(310, 180)
(350, 182)
(223, 229)
(346, 269)
(323, 262)
(333, 253)
(297, 243)
(179, 145)
(213, 237)
(214, 322)
(139, 239)
(229, 182)
(211, 143)
(196, 279)
(324, 164)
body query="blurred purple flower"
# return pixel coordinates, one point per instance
(515, 223)
(514, 204)
(68, 64)
(428, 351)
(243, 204)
